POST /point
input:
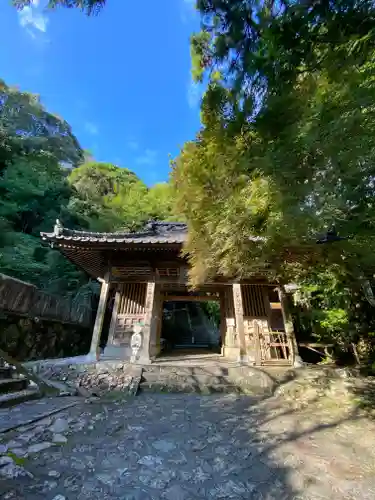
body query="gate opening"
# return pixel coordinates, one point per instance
(191, 326)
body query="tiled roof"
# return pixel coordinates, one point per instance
(153, 233)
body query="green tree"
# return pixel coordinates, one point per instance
(286, 149)
(252, 51)
(108, 198)
(105, 196)
(160, 201)
(287, 143)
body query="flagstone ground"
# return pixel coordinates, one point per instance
(188, 446)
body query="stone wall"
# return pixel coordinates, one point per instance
(29, 339)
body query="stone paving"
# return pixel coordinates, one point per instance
(27, 413)
(188, 446)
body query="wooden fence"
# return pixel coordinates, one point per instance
(24, 299)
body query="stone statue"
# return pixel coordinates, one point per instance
(136, 341)
(58, 228)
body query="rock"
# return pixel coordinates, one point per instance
(49, 485)
(27, 437)
(11, 471)
(36, 448)
(3, 448)
(150, 460)
(54, 473)
(59, 425)
(82, 391)
(19, 452)
(199, 475)
(232, 489)
(107, 479)
(5, 460)
(64, 389)
(164, 445)
(59, 439)
(14, 444)
(59, 497)
(39, 429)
(135, 428)
(175, 492)
(45, 421)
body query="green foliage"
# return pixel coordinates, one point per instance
(212, 311)
(262, 49)
(110, 198)
(34, 192)
(285, 151)
(299, 158)
(96, 188)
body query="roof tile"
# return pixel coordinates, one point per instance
(153, 233)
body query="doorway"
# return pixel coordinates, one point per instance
(190, 326)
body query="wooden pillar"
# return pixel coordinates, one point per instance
(289, 330)
(112, 327)
(230, 349)
(238, 311)
(94, 348)
(155, 326)
(144, 354)
(159, 327)
(223, 318)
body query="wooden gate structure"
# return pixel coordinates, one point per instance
(145, 268)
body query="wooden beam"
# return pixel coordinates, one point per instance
(189, 298)
(275, 305)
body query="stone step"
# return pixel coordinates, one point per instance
(196, 388)
(187, 378)
(12, 385)
(5, 372)
(240, 380)
(212, 370)
(14, 398)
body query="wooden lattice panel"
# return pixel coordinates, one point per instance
(253, 300)
(131, 309)
(174, 287)
(250, 329)
(131, 271)
(132, 298)
(125, 328)
(164, 272)
(275, 347)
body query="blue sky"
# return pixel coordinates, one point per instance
(122, 79)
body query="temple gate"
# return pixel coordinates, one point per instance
(145, 269)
